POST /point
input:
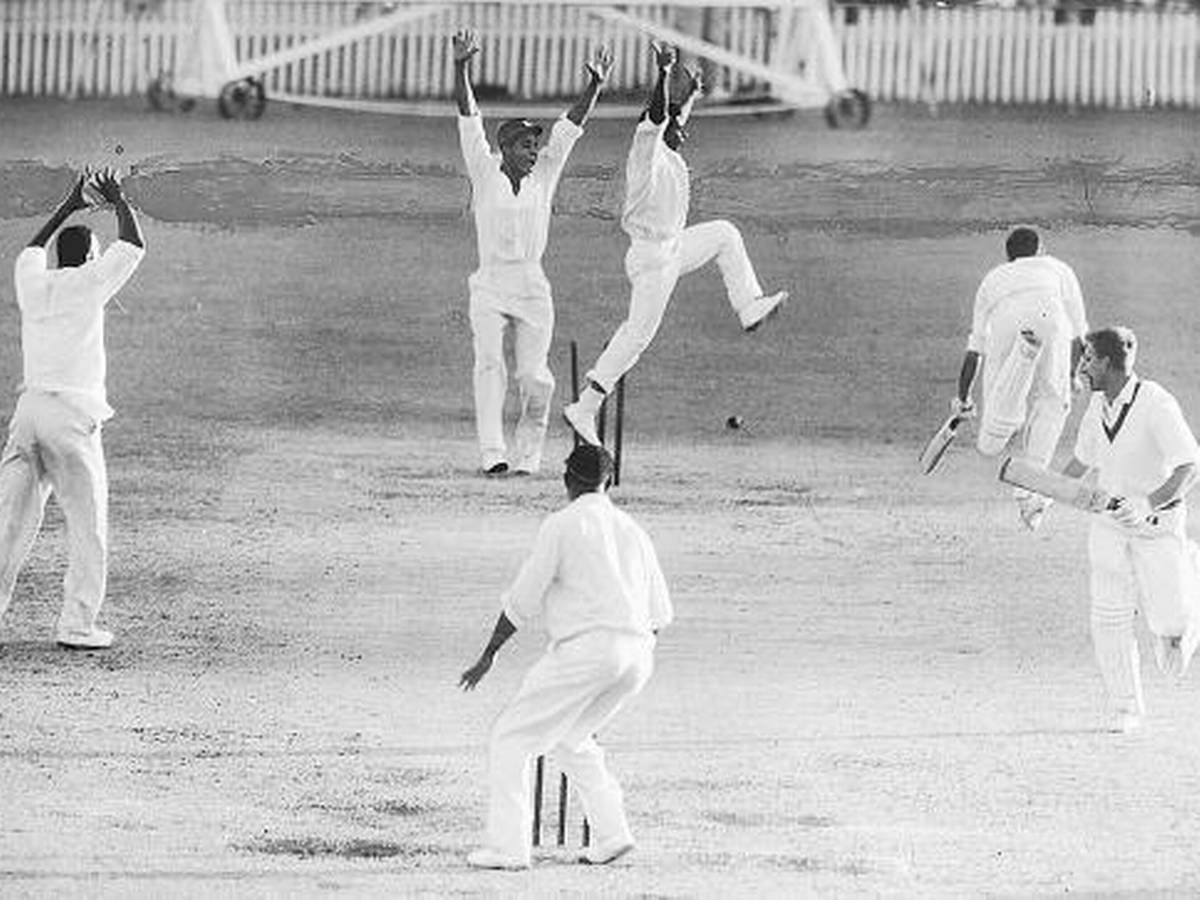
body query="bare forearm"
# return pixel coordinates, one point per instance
(660, 98)
(464, 94)
(966, 375)
(128, 229)
(587, 101)
(52, 225)
(500, 634)
(1177, 484)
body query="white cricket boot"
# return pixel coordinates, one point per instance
(760, 309)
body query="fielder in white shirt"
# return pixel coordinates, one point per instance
(662, 248)
(54, 435)
(593, 582)
(511, 196)
(1134, 437)
(1028, 325)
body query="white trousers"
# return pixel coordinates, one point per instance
(516, 297)
(1130, 573)
(55, 447)
(568, 695)
(653, 269)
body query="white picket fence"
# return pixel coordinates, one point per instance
(1103, 58)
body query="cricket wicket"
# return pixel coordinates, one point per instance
(618, 398)
(564, 788)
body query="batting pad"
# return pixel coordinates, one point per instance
(1004, 407)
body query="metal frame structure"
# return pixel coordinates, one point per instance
(210, 68)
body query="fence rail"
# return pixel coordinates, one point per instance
(1117, 58)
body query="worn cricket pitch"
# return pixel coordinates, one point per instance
(877, 683)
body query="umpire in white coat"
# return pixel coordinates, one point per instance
(594, 582)
(1133, 435)
(54, 437)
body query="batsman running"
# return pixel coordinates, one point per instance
(511, 195)
(1028, 326)
(661, 248)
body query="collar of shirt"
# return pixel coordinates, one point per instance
(1112, 410)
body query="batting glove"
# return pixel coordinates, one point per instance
(1131, 512)
(964, 408)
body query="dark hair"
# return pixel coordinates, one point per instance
(1022, 242)
(589, 466)
(1116, 343)
(73, 244)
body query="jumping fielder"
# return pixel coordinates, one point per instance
(594, 582)
(661, 248)
(1028, 325)
(54, 435)
(511, 195)
(1134, 437)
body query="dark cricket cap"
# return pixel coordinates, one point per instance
(590, 465)
(512, 129)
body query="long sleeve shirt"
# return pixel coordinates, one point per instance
(513, 228)
(657, 186)
(62, 321)
(591, 567)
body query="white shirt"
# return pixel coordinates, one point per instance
(591, 567)
(657, 186)
(1146, 445)
(513, 228)
(62, 321)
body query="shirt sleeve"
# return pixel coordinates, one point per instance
(476, 151)
(115, 266)
(1072, 295)
(553, 157)
(525, 597)
(29, 267)
(643, 153)
(977, 339)
(1172, 434)
(662, 613)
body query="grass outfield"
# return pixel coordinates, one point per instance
(877, 683)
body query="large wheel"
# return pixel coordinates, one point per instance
(243, 99)
(850, 109)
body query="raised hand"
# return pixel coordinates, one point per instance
(695, 84)
(664, 54)
(601, 64)
(466, 45)
(76, 200)
(105, 184)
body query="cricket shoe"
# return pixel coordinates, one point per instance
(1167, 654)
(1124, 723)
(95, 639)
(496, 470)
(581, 423)
(487, 858)
(760, 309)
(603, 854)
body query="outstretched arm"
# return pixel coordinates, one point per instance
(664, 59)
(597, 70)
(466, 45)
(694, 89)
(500, 634)
(70, 205)
(109, 188)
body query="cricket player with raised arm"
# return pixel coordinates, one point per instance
(1027, 325)
(594, 583)
(54, 435)
(1134, 438)
(662, 247)
(511, 196)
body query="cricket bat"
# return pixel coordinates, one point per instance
(937, 445)
(1071, 491)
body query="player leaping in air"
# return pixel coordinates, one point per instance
(511, 194)
(661, 248)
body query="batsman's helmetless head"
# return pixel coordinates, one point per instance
(589, 468)
(76, 244)
(1107, 353)
(1022, 242)
(519, 141)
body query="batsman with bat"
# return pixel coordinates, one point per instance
(1027, 327)
(1134, 438)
